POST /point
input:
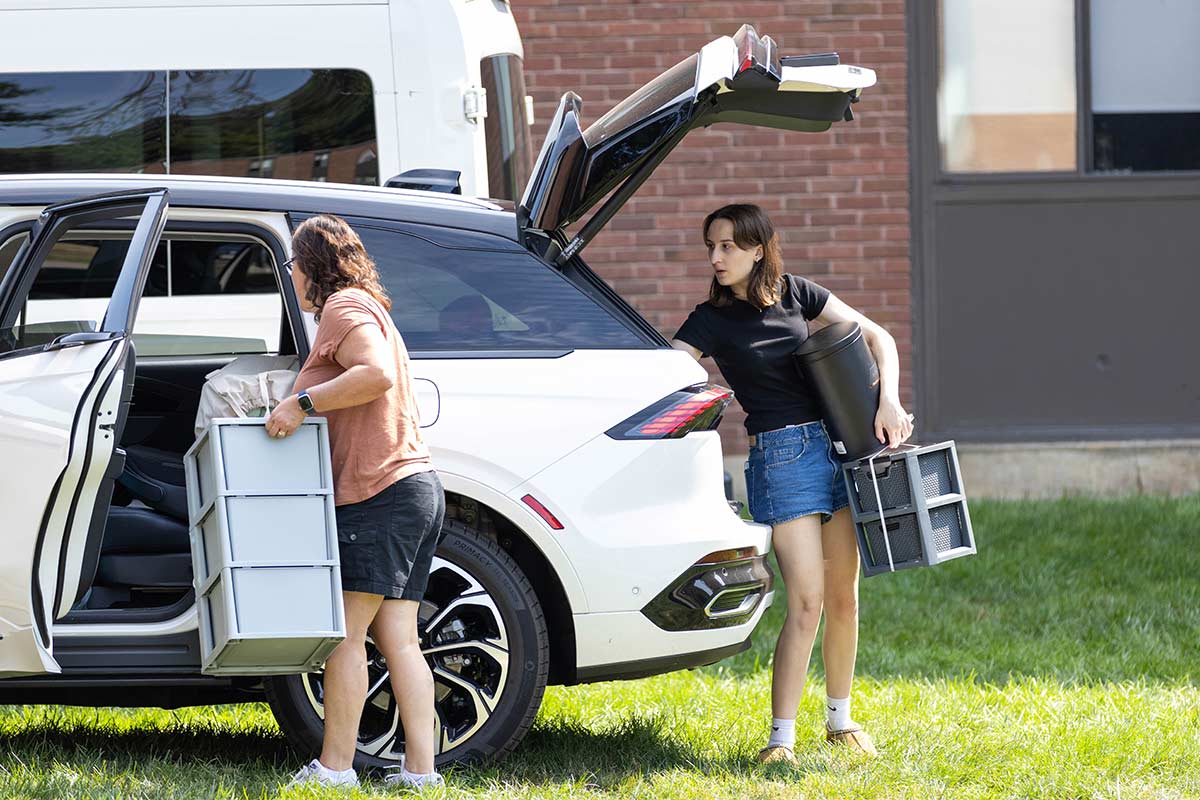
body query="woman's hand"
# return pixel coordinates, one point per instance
(892, 420)
(285, 419)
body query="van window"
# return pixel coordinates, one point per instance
(203, 296)
(83, 122)
(300, 124)
(448, 299)
(297, 124)
(506, 127)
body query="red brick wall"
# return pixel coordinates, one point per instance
(839, 199)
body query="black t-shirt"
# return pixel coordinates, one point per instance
(753, 349)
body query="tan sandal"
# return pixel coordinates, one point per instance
(854, 738)
(777, 754)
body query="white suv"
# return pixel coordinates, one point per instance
(588, 536)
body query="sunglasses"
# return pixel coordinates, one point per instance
(289, 265)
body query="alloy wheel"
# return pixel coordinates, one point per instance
(465, 641)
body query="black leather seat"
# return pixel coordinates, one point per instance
(143, 548)
(156, 478)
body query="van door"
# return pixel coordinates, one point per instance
(60, 401)
(740, 79)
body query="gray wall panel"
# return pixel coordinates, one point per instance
(1064, 318)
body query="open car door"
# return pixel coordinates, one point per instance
(60, 409)
(740, 79)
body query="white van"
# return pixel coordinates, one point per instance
(346, 91)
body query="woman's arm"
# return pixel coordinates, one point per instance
(892, 424)
(370, 373)
(687, 348)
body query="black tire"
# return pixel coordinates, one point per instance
(469, 570)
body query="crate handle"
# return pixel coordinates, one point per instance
(887, 539)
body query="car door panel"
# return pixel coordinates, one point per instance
(60, 406)
(42, 400)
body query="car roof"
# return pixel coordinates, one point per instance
(261, 194)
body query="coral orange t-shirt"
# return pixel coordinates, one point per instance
(375, 444)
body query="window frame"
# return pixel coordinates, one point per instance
(924, 26)
(291, 322)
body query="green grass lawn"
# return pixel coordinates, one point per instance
(1060, 662)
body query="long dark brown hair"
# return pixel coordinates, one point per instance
(751, 227)
(332, 257)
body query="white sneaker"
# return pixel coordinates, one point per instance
(316, 773)
(400, 776)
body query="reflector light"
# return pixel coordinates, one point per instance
(542, 512)
(696, 408)
(736, 554)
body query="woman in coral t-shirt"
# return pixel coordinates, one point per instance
(389, 500)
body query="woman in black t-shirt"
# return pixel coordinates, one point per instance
(754, 319)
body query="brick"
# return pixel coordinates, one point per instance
(840, 200)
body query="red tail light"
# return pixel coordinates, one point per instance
(696, 408)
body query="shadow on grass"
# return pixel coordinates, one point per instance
(557, 750)
(259, 762)
(188, 743)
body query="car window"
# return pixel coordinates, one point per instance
(447, 299)
(177, 314)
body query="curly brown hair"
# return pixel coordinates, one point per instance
(751, 226)
(330, 254)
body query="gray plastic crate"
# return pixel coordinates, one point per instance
(924, 519)
(264, 548)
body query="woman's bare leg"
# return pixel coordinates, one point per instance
(345, 682)
(395, 634)
(797, 545)
(839, 643)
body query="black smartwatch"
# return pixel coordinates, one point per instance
(306, 404)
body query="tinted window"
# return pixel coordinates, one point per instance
(506, 128)
(83, 122)
(302, 124)
(452, 299)
(298, 124)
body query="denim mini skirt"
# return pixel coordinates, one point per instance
(792, 472)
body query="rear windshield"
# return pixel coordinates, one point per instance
(451, 299)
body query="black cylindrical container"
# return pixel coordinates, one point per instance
(838, 365)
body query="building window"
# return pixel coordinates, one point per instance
(1006, 85)
(320, 167)
(366, 168)
(1145, 89)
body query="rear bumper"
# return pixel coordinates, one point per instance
(630, 670)
(706, 596)
(628, 644)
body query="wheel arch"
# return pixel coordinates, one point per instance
(464, 505)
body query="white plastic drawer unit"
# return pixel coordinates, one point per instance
(264, 548)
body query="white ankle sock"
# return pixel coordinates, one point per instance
(838, 709)
(783, 732)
